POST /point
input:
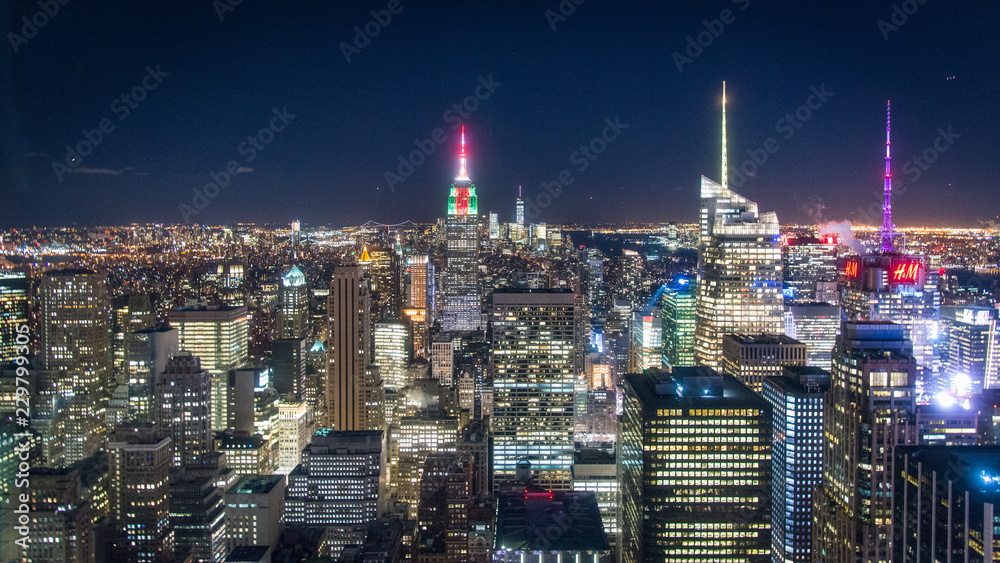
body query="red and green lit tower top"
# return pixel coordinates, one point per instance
(462, 199)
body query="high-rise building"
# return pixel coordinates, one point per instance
(348, 352)
(139, 492)
(13, 311)
(947, 423)
(149, 350)
(293, 311)
(220, 336)
(595, 471)
(183, 408)
(965, 349)
(443, 360)
(129, 313)
(338, 481)
(419, 436)
(462, 291)
(867, 413)
(289, 363)
(739, 258)
(521, 231)
(445, 501)
(392, 352)
(752, 357)
(693, 438)
(62, 529)
(890, 285)
(679, 306)
(796, 399)
(255, 506)
(534, 371)
(494, 226)
(246, 454)
(816, 325)
(806, 261)
(76, 339)
(646, 350)
(944, 501)
(198, 515)
(296, 233)
(293, 434)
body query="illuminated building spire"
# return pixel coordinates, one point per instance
(725, 163)
(888, 234)
(463, 174)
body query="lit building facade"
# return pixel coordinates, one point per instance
(183, 408)
(796, 399)
(647, 341)
(293, 434)
(534, 343)
(806, 261)
(679, 309)
(739, 289)
(693, 438)
(338, 481)
(462, 291)
(348, 348)
(868, 412)
(946, 504)
(293, 312)
(139, 486)
(752, 357)
(255, 507)
(13, 311)
(392, 352)
(816, 325)
(965, 350)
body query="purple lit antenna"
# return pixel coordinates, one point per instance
(888, 235)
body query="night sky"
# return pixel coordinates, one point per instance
(542, 93)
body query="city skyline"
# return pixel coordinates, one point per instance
(337, 127)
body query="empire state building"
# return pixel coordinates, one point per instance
(462, 300)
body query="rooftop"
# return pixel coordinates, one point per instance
(255, 485)
(527, 521)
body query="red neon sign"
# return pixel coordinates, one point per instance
(852, 267)
(906, 272)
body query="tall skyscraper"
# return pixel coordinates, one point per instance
(338, 481)
(646, 350)
(62, 519)
(139, 492)
(392, 352)
(868, 412)
(130, 313)
(220, 336)
(76, 339)
(293, 314)
(808, 260)
(183, 409)
(534, 371)
(890, 285)
(679, 306)
(796, 399)
(348, 307)
(816, 325)
(694, 469)
(13, 311)
(965, 349)
(739, 285)
(462, 297)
